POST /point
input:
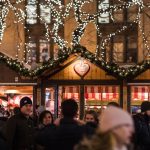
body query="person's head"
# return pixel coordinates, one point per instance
(16, 110)
(69, 108)
(119, 123)
(26, 106)
(91, 116)
(46, 117)
(145, 107)
(113, 104)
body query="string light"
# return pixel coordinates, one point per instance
(59, 13)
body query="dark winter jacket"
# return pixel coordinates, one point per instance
(142, 132)
(19, 132)
(65, 136)
(43, 129)
(3, 121)
(3, 144)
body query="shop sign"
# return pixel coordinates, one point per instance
(82, 68)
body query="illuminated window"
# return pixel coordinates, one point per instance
(44, 50)
(118, 49)
(33, 14)
(31, 10)
(103, 17)
(97, 97)
(31, 53)
(45, 12)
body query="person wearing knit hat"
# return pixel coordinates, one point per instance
(24, 101)
(142, 127)
(19, 127)
(26, 106)
(114, 117)
(114, 133)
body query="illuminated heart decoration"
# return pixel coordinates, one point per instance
(81, 68)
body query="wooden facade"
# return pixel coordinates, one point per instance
(65, 74)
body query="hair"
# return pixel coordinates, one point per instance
(94, 114)
(69, 108)
(99, 141)
(43, 114)
(145, 106)
(113, 104)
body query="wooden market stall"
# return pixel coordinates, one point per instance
(88, 84)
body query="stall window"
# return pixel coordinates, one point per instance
(10, 96)
(50, 99)
(97, 97)
(67, 92)
(138, 95)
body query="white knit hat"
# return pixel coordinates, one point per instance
(113, 117)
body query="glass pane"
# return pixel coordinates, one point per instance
(132, 13)
(118, 16)
(11, 96)
(118, 52)
(97, 97)
(56, 50)
(32, 2)
(50, 99)
(31, 14)
(31, 52)
(132, 41)
(44, 50)
(45, 13)
(138, 95)
(66, 92)
(104, 17)
(132, 56)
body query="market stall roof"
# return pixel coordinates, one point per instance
(111, 68)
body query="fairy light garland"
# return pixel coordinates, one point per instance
(59, 15)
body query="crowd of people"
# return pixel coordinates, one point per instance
(113, 129)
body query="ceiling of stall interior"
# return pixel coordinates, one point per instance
(16, 90)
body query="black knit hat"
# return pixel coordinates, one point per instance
(24, 101)
(145, 106)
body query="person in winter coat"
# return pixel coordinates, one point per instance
(3, 144)
(45, 119)
(91, 119)
(45, 122)
(68, 133)
(142, 127)
(19, 128)
(114, 133)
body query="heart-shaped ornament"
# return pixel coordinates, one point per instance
(81, 68)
